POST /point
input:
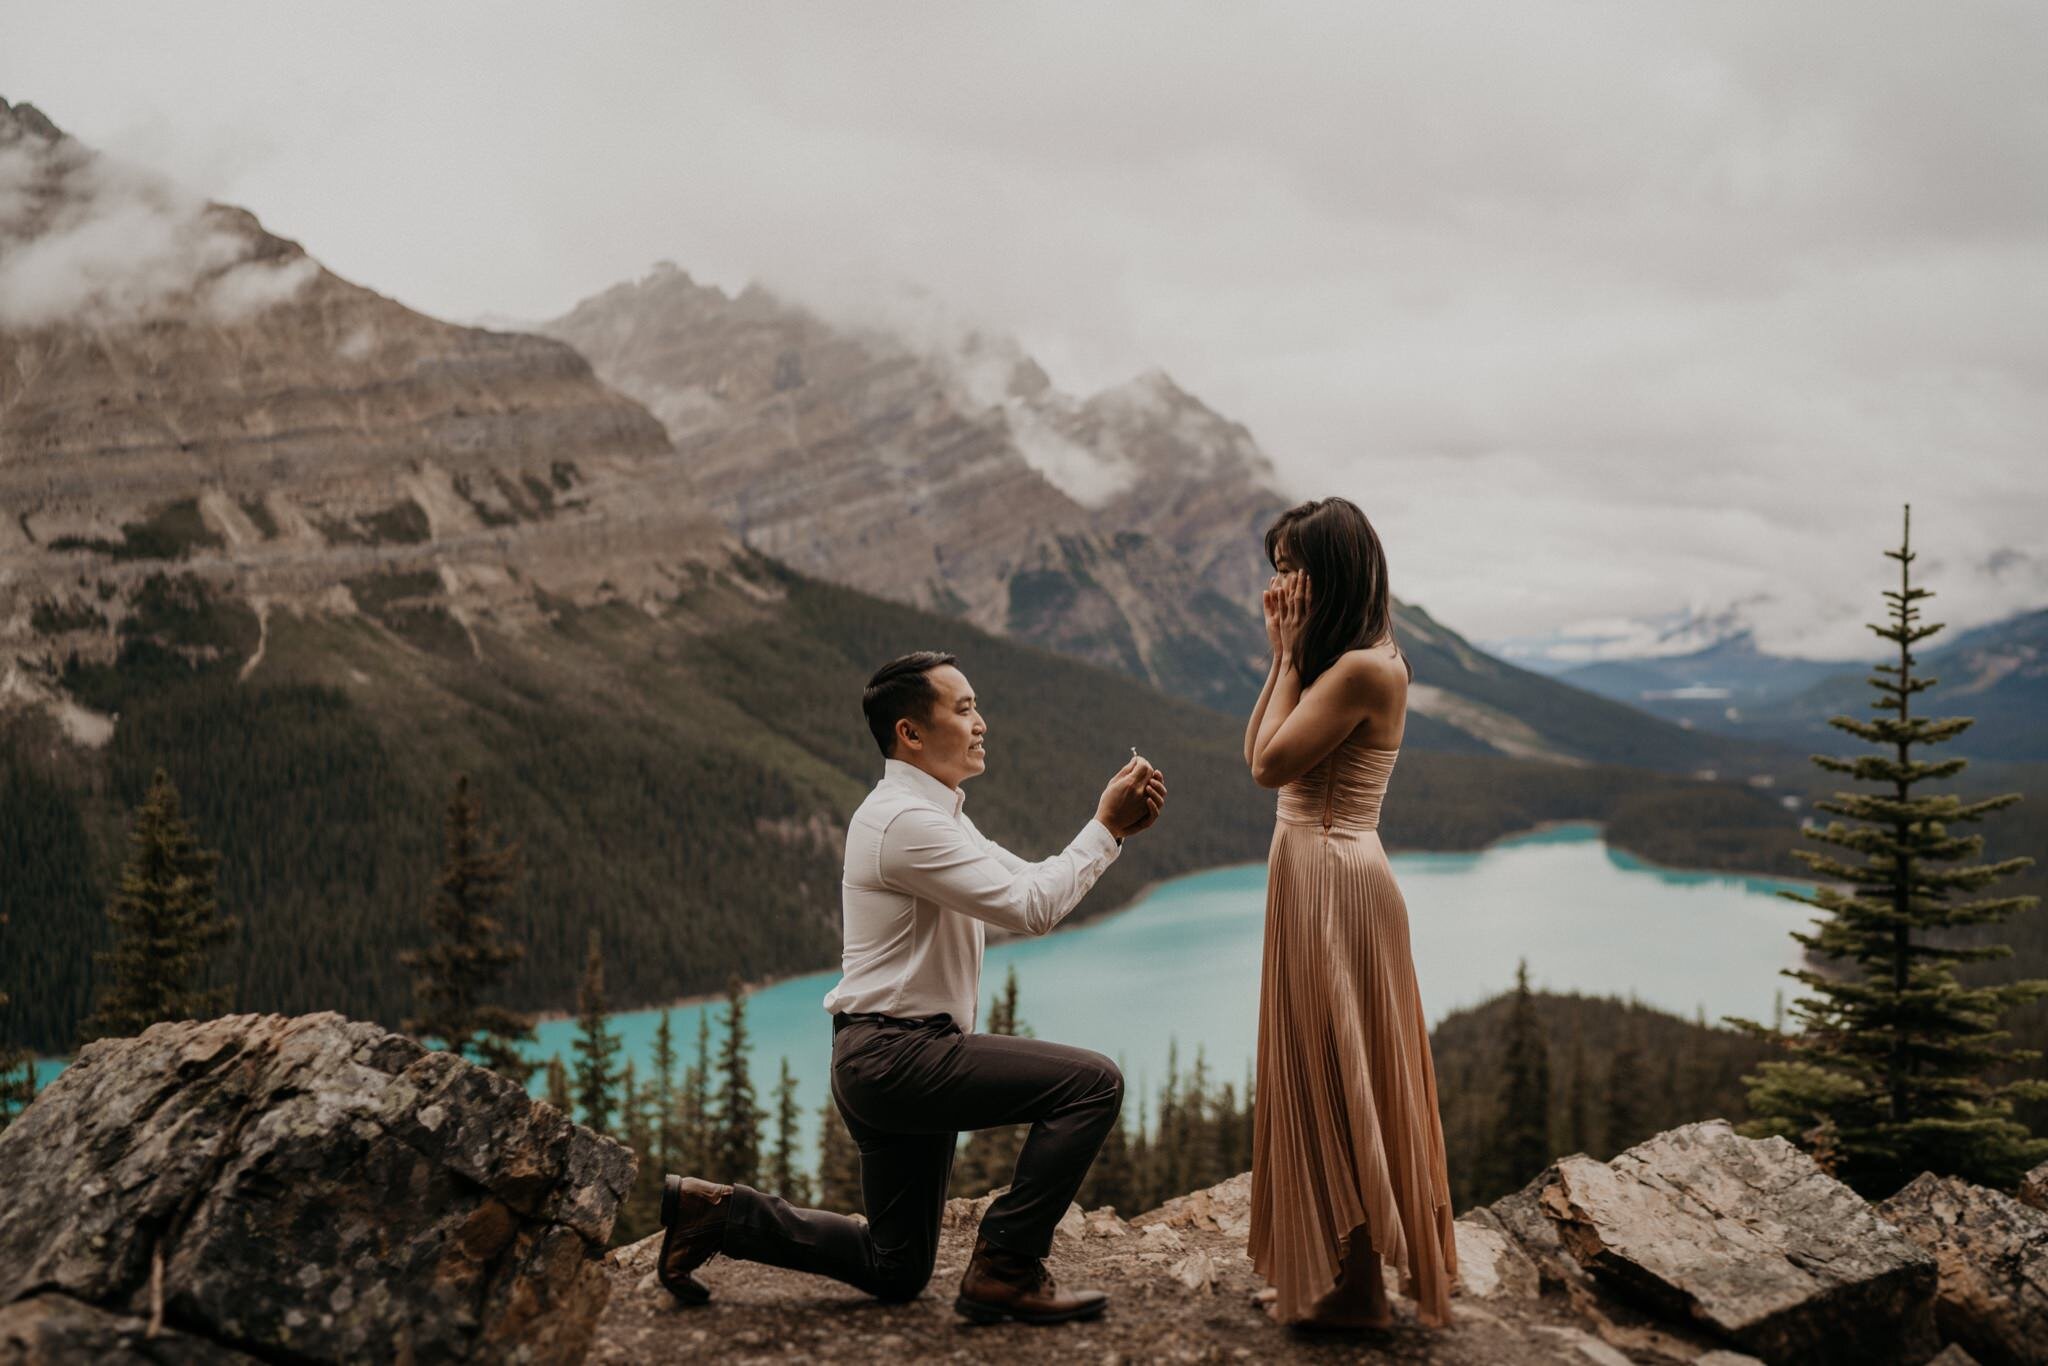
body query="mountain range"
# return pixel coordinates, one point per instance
(1124, 528)
(1996, 674)
(315, 553)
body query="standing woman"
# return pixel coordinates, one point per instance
(1347, 1149)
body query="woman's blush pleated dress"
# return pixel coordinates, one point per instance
(1347, 1141)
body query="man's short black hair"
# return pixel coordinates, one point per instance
(901, 688)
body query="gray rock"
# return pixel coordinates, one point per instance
(1491, 1261)
(56, 1330)
(1751, 1239)
(1952, 1355)
(1992, 1252)
(312, 1187)
(2034, 1187)
(1225, 1207)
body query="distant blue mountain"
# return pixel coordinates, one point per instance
(1731, 672)
(1996, 674)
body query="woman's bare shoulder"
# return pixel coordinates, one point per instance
(1375, 667)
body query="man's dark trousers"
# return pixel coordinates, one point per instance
(907, 1089)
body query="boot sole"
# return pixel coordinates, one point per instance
(974, 1311)
(690, 1292)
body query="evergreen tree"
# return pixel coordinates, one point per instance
(1627, 1118)
(736, 1153)
(1522, 1134)
(17, 1069)
(1203, 1160)
(694, 1118)
(558, 1087)
(470, 953)
(165, 920)
(1169, 1148)
(662, 1097)
(788, 1179)
(640, 1212)
(1891, 1064)
(1144, 1167)
(1578, 1105)
(988, 1158)
(838, 1162)
(596, 1047)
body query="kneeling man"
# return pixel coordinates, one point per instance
(908, 1071)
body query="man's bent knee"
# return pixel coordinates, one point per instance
(1110, 1082)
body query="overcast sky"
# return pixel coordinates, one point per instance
(1602, 311)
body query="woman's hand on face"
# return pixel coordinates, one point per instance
(1270, 602)
(1286, 606)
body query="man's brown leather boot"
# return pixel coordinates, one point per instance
(694, 1213)
(1002, 1285)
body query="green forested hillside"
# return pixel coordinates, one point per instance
(1619, 1072)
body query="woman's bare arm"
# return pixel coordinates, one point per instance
(1251, 730)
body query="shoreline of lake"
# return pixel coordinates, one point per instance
(1145, 892)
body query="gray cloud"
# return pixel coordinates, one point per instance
(1603, 310)
(88, 236)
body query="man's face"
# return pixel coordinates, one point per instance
(949, 745)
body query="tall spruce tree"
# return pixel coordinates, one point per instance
(736, 1155)
(694, 1111)
(1578, 1103)
(165, 920)
(838, 1162)
(789, 1179)
(17, 1065)
(558, 1093)
(469, 953)
(1890, 1067)
(1626, 1120)
(639, 1213)
(1522, 1132)
(596, 1047)
(662, 1096)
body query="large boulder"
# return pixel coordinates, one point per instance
(1751, 1239)
(1993, 1255)
(313, 1189)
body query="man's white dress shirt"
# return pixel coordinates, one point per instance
(922, 883)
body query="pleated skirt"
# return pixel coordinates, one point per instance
(1347, 1139)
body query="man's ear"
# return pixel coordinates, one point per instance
(906, 734)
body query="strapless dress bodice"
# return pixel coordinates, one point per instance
(1343, 790)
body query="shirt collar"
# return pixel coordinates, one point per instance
(944, 797)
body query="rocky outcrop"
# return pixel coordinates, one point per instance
(1750, 1239)
(310, 1189)
(315, 1189)
(1697, 1246)
(1992, 1252)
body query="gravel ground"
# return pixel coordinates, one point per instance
(1182, 1289)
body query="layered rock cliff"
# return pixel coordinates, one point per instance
(953, 484)
(184, 393)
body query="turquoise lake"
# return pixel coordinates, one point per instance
(1180, 966)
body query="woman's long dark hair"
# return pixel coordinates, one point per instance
(1349, 603)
